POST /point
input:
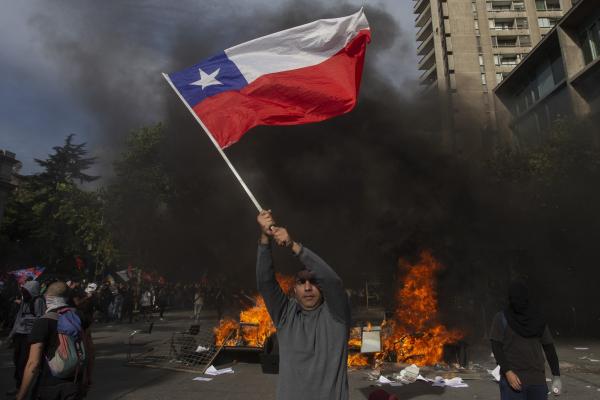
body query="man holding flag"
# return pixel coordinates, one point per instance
(304, 74)
(312, 326)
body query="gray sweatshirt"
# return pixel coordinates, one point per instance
(313, 348)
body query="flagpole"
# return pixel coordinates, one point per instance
(214, 141)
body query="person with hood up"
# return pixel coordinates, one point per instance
(520, 337)
(32, 306)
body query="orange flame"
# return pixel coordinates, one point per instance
(414, 334)
(255, 324)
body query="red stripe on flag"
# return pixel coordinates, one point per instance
(298, 96)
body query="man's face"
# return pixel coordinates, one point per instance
(307, 293)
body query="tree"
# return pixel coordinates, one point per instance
(139, 196)
(67, 164)
(50, 220)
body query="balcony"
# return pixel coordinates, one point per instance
(420, 6)
(425, 31)
(427, 61)
(422, 18)
(428, 76)
(506, 9)
(426, 46)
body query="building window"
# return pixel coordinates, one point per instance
(547, 22)
(524, 41)
(547, 5)
(498, 6)
(522, 23)
(483, 80)
(481, 59)
(590, 42)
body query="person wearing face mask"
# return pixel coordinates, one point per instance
(31, 307)
(312, 326)
(520, 337)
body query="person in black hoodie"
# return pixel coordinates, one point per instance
(520, 337)
(32, 306)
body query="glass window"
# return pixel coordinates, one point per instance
(540, 5)
(499, 77)
(483, 80)
(524, 41)
(590, 41)
(480, 59)
(522, 23)
(544, 22)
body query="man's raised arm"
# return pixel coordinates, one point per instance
(268, 287)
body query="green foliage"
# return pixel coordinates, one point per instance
(571, 153)
(52, 220)
(67, 164)
(139, 196)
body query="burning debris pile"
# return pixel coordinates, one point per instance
(254, 326)
(413, 335)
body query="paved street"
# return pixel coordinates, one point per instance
(115, 380)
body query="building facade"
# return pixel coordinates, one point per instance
(559, 78)
(467, 47)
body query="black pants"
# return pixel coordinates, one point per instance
(64, 391)
(20, 356)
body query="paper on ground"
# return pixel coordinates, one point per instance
(495, 373)
(202, 379)
(383, 379)
(422, 378)
(582, 348)
(202, 349)
(454, 382)
(214, 372)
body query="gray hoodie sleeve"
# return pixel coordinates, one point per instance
(275, 300)
(330, 284)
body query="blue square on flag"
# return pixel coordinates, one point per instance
(208, 78)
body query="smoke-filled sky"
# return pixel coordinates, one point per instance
(93, 69)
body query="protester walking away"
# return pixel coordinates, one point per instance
(219, 299)
(520, 338)
(312, 326)
(198, 302)
(146, 304)
(61, 351)
(32, 306)
(127, 308)
(161, 301)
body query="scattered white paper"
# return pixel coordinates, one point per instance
(383, 379)
(495, 373)
(456, 382)
(422, 378)
(202, 349)
(408, 374)
(548, 380)
(202, 379)
(214, 372)
(582, 348)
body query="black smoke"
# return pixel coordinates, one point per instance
(363, 189)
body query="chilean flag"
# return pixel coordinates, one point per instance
(305, 74)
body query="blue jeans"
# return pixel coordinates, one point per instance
(528, 392)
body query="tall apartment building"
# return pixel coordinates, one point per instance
(467, 47)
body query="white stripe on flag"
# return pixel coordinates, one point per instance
(298, 47)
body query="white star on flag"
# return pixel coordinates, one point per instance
(207, 80)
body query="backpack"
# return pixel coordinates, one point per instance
(70, 357)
